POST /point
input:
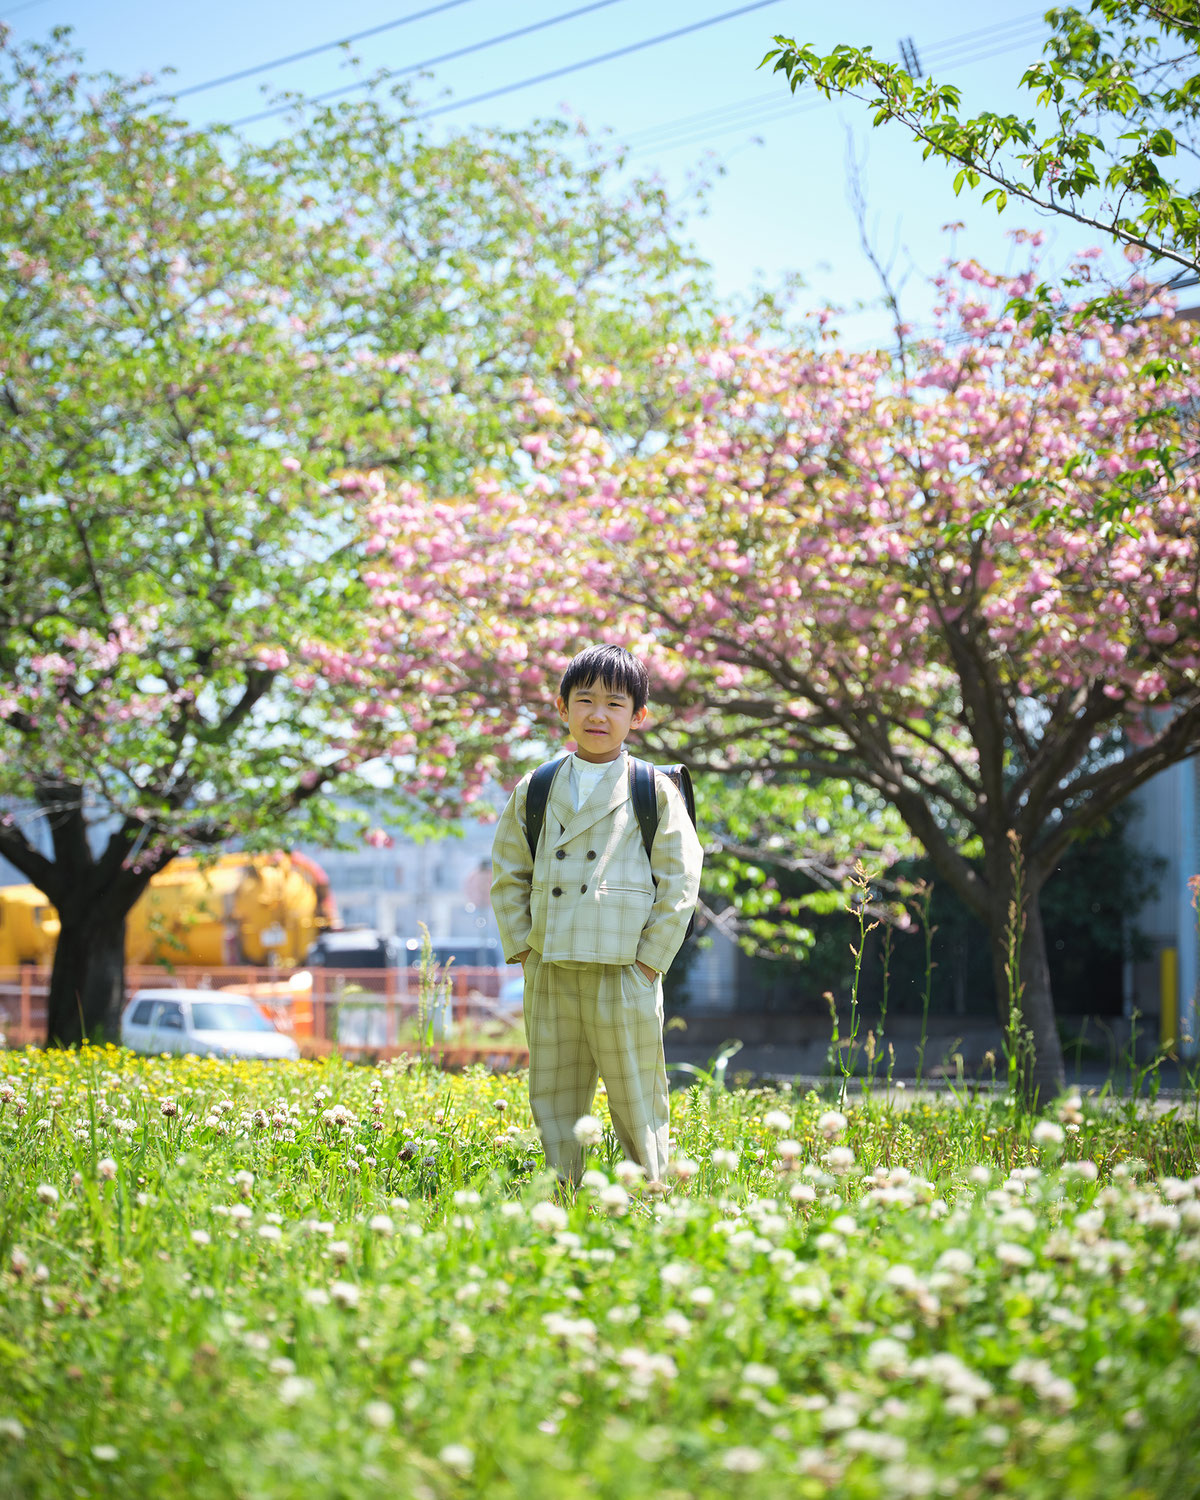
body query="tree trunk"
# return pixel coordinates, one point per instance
(87, 983)
(1041, 1074)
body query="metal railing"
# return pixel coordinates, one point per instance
(358, 1012)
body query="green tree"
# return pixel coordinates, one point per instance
(780, 850)
(1113, 149)
(1119, 87)
(206, 344)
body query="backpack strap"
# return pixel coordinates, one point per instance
(644, 792)
(645, 799)
(682, 778)
(537, 794)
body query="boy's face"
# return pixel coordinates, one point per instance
(599, 720)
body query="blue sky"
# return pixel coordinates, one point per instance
(779, 204)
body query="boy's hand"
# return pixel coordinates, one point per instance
(651, 974)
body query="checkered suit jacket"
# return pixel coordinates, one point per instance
(589, 896)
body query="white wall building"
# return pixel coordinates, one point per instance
(1166, 822)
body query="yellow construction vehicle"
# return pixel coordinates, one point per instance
(237, 909)
(28, 927)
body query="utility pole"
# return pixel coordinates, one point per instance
(908, 56)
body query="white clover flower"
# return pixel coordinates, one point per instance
(381, 1224)
(806, 1296)
(743, 1460)
(902, 1277)
(345, 1292)
(832, 1123)
(106, 1169)
(316, 1296)
(1160, 1216)
(882, 1445)
(777, 1120)
(887, 1355)
(788, 1150)
(676, 1325)
(105, 1453)
(243, 1181)
(270, 1232)
(46, 1193)
(613, 1199)
(1189, 1323)
(683, 1168)
(594, 1181)
(839, 1160)
(760, 1375)
(629, 1172)
(379, 1414)
(458, 1457)
(548, 1216)
(242, 1212)
(956, 1262)
(1084, 1169)
(580, 1331)
(11, 1429)
(18, 1260)
(840, 1417)
(979, 1175)
(339, 1250)
(1013, 1256)
(294, 1388)
(725, 1160)
(675, 1273)
(201, 1237)
(281, 1364)
(702, 1296)
(588, 1130)
(1047, 1133)
(803, 1192)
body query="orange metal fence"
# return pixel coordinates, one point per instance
(364, 1012)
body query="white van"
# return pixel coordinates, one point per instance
(204, 1022)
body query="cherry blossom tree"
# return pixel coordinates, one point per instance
(215, 357)
(837, 565)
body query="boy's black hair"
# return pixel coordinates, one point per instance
(611, 666)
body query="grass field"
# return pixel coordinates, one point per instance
(311, 1280)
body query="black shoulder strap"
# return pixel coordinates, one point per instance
(682, 778)
(645, 799)
(537, 794)
(644, 792)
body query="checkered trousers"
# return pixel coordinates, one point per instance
(589, 1020)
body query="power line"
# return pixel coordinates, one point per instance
(508, 88)
(16, 10)
(430, 62)
(280, 62)
(591, 62)
(692, 129)
(938, 54)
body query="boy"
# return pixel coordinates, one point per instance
(594, 923)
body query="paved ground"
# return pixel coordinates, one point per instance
(769, 1062)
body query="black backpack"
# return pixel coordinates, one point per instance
(641, 790)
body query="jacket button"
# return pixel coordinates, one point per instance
(591, 854)
(560, 854)
(583, 890)
(556, 891)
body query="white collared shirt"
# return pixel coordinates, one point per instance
(584, 776)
